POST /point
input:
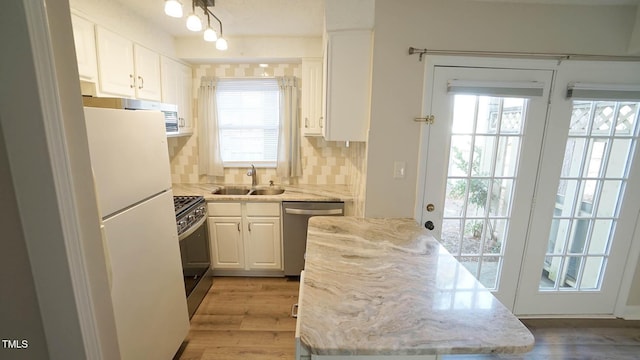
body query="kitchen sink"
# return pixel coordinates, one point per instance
(267, 191)
(228, 190)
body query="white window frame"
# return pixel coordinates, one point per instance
(257, 163)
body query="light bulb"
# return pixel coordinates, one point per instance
(194, 23)
(210, 35)
(173, 8)
(221, 44)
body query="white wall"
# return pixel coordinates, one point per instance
(19, 312)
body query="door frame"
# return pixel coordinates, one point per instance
(431, 61)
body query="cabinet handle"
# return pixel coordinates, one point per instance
(249, 226)
(238, 227)
(141, 82)
(132, 81)
(321, 122)
(306, 122)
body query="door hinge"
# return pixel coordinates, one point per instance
(428, 119)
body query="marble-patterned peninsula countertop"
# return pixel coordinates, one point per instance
(387, 287)
(291, 193)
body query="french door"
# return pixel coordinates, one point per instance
(483, 152)
(532, 199)
(587, 198)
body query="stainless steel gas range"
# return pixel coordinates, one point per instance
(191, 222)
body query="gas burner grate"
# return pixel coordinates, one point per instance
(183, 203)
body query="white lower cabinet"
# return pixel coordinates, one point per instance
(227, 250)
(245, 236)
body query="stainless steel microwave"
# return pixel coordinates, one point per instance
(169, 111)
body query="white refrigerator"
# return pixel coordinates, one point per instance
(130, 163)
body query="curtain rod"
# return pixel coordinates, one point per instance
(558, 57)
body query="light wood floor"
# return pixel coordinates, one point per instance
(249, 319)
(244, 318)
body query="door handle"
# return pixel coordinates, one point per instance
(429, 225)
(238, 227)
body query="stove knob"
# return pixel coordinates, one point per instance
(190, 218)
(199, 211)
(182, 223)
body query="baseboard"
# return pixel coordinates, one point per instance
(248, 273)
(631, 312)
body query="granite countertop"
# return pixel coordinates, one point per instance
(387, 287)
(292, 193)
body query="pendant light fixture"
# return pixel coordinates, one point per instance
(173, 8)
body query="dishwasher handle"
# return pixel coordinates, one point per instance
(313, 212)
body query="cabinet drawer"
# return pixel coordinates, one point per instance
(263, 209)
(224, 209)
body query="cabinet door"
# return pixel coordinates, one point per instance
(348, 85)
(170, 84)
(85, 43)
(115, 64)
(227, 250)
(312, 116)
(147, 68)
(185, 96)
(263, 243)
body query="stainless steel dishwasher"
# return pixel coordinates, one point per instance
(295, 219)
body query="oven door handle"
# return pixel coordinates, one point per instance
(193, 228)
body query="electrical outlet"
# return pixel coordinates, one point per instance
(399, 168)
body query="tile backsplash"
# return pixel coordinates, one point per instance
(323, 162)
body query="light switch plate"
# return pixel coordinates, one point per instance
(399, 168)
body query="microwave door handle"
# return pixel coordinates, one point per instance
(313, 212)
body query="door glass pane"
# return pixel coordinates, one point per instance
(592, 184)
(485, 148)
(592, 273)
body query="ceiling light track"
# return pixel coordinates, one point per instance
(173, 8)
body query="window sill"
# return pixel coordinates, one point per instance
(257, 164)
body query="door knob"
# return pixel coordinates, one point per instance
(430, 207)
(429, 225)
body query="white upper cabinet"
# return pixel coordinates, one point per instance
(85, 43)
(347, 85)
(177, 88)
(126, 69)
(312, 116)
(147, 67)
(185, 96)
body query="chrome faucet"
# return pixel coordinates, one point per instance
(252, 173)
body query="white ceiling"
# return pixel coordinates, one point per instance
(280, 17)
(243, 17)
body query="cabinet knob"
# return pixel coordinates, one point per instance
(306, 122)
(132, 81)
